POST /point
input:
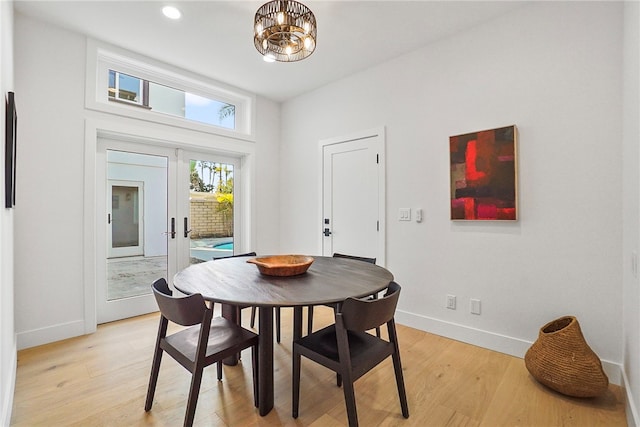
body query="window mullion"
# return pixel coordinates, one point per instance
(145, 93)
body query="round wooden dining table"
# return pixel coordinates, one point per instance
(234, 283)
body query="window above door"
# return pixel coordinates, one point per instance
(131, 85)
(167, 100)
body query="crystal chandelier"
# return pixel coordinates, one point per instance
(284, 31)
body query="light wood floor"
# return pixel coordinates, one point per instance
(101, 380)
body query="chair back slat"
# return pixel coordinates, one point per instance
(235, 256)
(185, 311)
(362, 315)
(359, 258)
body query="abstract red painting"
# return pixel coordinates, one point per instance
(484, 175)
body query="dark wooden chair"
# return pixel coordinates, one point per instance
(310, 308)
(207, 340)
(347, 349)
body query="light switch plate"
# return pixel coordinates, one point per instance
(404, 214)
(418, 215)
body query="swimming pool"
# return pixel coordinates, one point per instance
(227, 246)
(209, 248)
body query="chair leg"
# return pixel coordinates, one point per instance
(153, 379)
(295, 401)
(256, 378)
(194, 391)
(309, 319)
(219, 368)
(253, 317)
(397, 366)
(155, 365)
(278, 324)
(350, 401)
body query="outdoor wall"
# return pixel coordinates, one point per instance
(206, 218)
(554, 70)
(7, 327)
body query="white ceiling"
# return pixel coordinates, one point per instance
(214, 38)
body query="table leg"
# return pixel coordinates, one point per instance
(297, 322)
(232, 313)
(265, 361)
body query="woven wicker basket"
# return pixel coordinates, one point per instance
(562, 360)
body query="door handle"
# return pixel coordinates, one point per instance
(186, 232)
(173, 229)
(326, 232)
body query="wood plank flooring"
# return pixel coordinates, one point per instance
(101, 380)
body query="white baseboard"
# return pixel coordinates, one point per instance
(50, 334)
(485, 339)
(7, 395)
(633, 416)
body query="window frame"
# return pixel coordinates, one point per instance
(102, 57)
(116, 87)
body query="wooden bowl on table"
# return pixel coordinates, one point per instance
(282, 265)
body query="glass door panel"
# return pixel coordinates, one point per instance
(211, 211)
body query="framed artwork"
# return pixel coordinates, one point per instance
(484, 175)
(11, 124)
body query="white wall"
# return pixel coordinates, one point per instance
(631, 210)
(7, 329)
(50, 79)
(50, 72)
(554, 70)
(265, 201)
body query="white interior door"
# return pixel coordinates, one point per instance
(124, 282)
(353, 219)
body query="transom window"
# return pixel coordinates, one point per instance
(167, 100)
(128, 84)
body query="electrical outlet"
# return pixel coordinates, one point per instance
(475, 306)
(451, 302)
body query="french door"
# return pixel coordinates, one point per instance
(158, 210)
(210, 190)
(135, 215)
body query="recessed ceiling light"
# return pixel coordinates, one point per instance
(171, 12)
